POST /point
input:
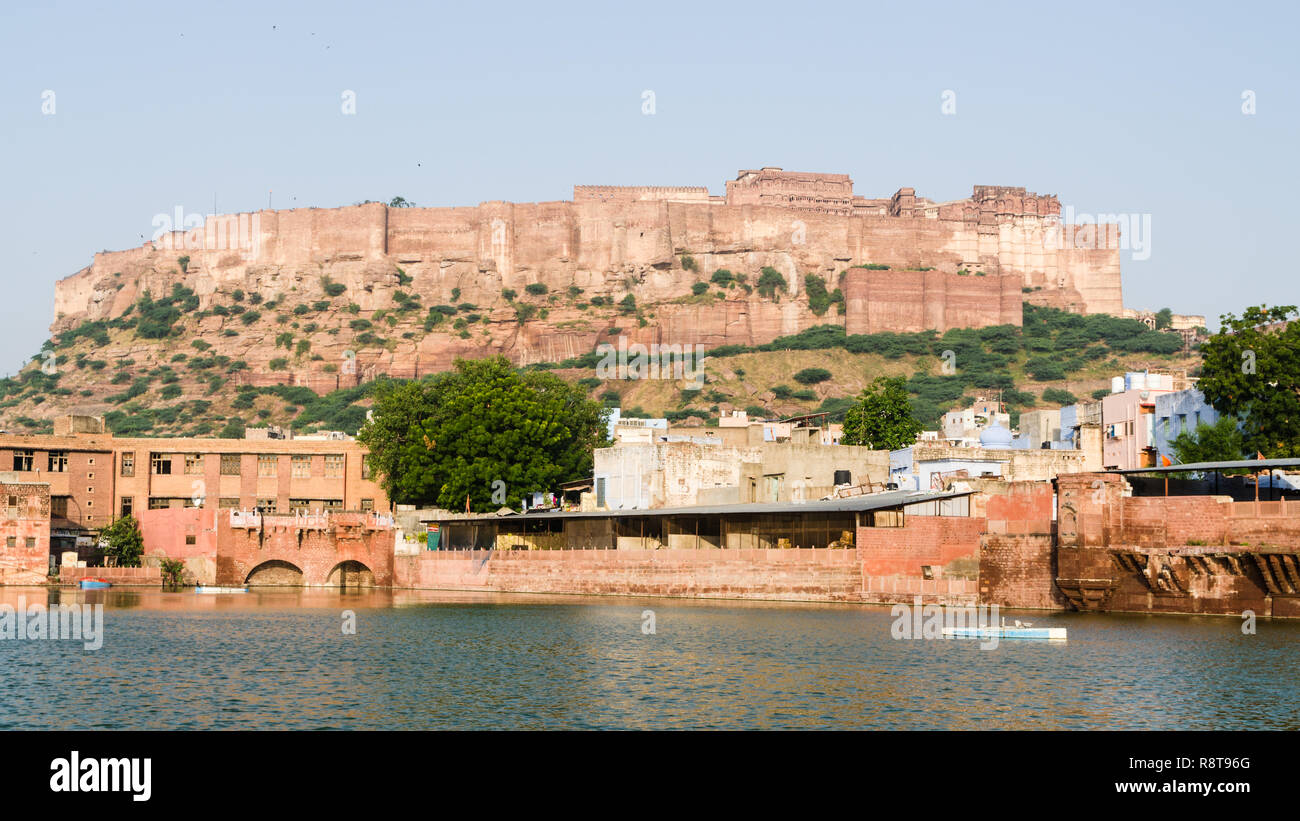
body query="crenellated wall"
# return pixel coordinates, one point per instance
(612, 239)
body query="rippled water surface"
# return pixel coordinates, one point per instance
(430, 660)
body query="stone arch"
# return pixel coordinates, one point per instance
(350, 573)
(275, 573)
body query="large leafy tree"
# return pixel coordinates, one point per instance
(1253, 372)
(882, 418)
(1219, 442)
(479, 431)
(123, 542)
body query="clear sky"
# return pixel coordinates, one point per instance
(1113, 108)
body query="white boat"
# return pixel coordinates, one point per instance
(202, 589)
(1017, 630)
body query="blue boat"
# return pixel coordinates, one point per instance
(94, 584)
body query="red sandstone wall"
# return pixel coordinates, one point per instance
(28, 519)
(314, 551)
(597, 244)
(794, 575)
(164, 532)
(923, 300)
(924, 541)
(1017, 554)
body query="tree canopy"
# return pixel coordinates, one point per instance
(123, 541)
(882, 418)
(483, 431)
(1253, 373)
(1219, 442)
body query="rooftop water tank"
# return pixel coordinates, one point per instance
(1117, 385)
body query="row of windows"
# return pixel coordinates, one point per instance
(160, 464)
(263, 505)
(268, 465)
(57, 461)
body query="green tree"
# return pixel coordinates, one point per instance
(882, 418)
(1253, 373)
(459, 433)
(1220, 442)
(1164, 318)
(123, 542)
(173, 572)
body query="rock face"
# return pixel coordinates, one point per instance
(651, 243)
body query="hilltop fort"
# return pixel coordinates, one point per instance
(963, 263)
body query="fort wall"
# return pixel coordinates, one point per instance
(612, 239)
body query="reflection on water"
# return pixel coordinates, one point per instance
(426, 659)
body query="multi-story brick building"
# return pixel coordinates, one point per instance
(94, 477)
(24, 529)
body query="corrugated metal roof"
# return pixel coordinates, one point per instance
(855, 504)
(1250, 464)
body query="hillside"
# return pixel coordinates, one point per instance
(165, 367)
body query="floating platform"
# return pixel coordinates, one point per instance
(1048, 633)
(94, 584)
(202, 589)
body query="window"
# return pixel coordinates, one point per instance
(162, 464)
(23, 459)
(90, 490)
(301, 467)
(128, 463)
(266, 463)
(91, 461)
(884, 518)
(332, 504)
(12, 541)
(31, 541)
(334, 466)
(297, 505)
(128, 505)
(367, 505)
(190, 538)
(229, 502)
(266, 505)
(90, 475)
(365, 466)
(13, 501)
(193, 463)
(58, 461)
(59, 507)
(159, 503)
(230, 464)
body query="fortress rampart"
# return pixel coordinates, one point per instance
(614, 240)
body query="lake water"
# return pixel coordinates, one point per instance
(433, 660)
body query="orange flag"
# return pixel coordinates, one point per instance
(1165, 460)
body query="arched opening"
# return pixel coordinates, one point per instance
(350, 574)
(275, 573)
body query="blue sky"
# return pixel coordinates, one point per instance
(1114, 109)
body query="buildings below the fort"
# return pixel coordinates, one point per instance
(683, 514)
(90, 477)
